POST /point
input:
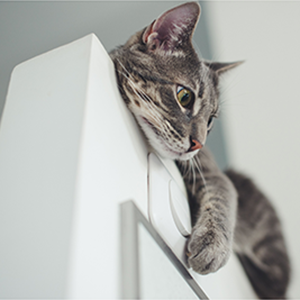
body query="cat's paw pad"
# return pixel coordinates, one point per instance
(207, 250)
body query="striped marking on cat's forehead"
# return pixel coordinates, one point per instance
(145, 97)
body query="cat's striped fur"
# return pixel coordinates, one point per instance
(228, 211)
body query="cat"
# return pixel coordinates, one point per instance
(173, 95)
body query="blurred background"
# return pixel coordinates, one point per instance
(259, 125)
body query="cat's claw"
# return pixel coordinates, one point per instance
(207, 250)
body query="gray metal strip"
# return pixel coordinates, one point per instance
(130, 218)
(129, 251)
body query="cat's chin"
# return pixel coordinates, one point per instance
(187, 156)
(167, 153)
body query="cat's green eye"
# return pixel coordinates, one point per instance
(185, 97)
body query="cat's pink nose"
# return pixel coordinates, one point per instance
(195, 145)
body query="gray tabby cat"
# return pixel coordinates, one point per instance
(173, 96)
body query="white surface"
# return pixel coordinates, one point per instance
(261, 101)
(160, 211)
(39, 148)
(153, 285)
(180, 209)
(111, 149)
(64, 162)
(227, 283)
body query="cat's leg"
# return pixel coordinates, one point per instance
(259, 241)
(213, 202)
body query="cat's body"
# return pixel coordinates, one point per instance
(174, 97)
(257, 235)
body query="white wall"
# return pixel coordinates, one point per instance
(262, 102)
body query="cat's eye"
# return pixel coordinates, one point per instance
(185, 97)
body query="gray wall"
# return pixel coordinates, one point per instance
(262, 102)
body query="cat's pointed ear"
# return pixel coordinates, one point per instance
(221, 68)
(173, 28)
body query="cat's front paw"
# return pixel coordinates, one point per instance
(207, 249)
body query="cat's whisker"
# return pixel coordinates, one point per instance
(151, 110)
(130, 81)
(190, 169)
(155, 115)
(230, 85)
(125, 75)
(193, 174)
(198, 165)
(182, 165)
(133, 85)
(129, 75)
(171, 128)
(137, 90)
(233, 101)
(186, 169)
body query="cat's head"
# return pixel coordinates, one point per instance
(170, 91)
